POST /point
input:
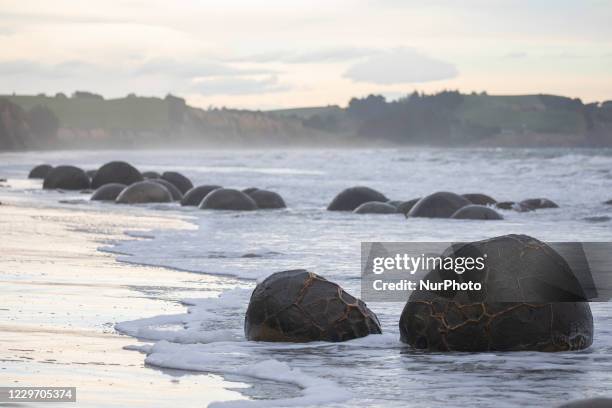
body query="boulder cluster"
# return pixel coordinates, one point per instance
(120, 182)
(442, 204)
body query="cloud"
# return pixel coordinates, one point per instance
(516, 55)
(239, 86)
(325, 55)
(186, 69)
(402, 65)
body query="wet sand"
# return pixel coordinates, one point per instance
(61, 297)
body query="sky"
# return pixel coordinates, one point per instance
(280, 54)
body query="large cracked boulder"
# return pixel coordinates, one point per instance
(375, 207)
(476, 212)
(480, 199)
(116, 172)
(108, 192)
(227, 199)
(301, 306)
(353, 197)
(438, 205)
(530, 300)
(181, 182)
(40, 171)
(266, 199)
(66, 178)
(195, 196)
(144, 192)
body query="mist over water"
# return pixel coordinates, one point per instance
(378, 369)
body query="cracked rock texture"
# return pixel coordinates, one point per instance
(301, 306)
(518, 267)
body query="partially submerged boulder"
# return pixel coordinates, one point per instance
(530, 300)
(406, 206)
(174, 191)
(144, 192)
(538, 203)
(116, 172)
(266, 199)
(301, 306)
(480, 199)
(151, 175)
(66, 178)
(195, 196)
(40, 171)
(353, 197)
(228, 199)
(511, 205)
(108, 192)
(181, 182)
(476, 212)
(375, 207)
(438, 205)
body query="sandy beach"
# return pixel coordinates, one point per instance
(50, 257)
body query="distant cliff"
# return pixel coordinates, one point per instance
(86, 120)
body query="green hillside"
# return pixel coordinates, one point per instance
(130, 113)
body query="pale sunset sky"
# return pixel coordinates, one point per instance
(276, 54)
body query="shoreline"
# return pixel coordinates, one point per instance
(50, 258)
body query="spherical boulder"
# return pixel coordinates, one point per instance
(538, 203)
(144, 192)
(40, 171)
(151, 175)
(530, 300)
(476, 212)
(249, 190)
(406, 206)
(108, 192)
(267, 199)
(66, 178)
(228, 199)
(479, 199)
(116, 172)
(375, 207)
(394, 203)
(181, 182)
(438, 205)
(195, 196)
(353, 197)
(174, 191)
(301, 306)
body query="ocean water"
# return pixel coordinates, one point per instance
(377, 370)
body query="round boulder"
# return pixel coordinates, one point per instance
(195, 196)
(174, 191)
(228, 199)
(538, 203)
(394, 203)
(144, 192)
(479, 199)
(353, 197)
(151, 175)
(530, 300)
(40, 171)
(66, 178)
(406, 206)
(116, 172)
(438, 205)
(181, 182)
(511, 205)
(375, 207)
(108, 192)
(476, 212)
(301, 306)
(250, 190)
(267, 199)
